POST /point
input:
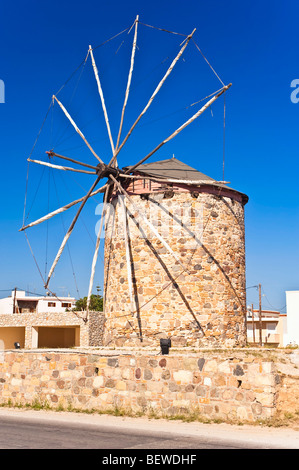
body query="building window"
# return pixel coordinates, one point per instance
(271, 328)
(66, 305)
(250, 331)
(51, 304)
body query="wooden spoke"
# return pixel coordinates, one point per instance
(59, 167)
(62, 209)
(96, 252)
(175, 133)
(96, 73)
(168, 72)
(171, 180)
(129, 82)
(68, 234)
(53, 154)
(77, 129)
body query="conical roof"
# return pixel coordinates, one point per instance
(172, 168)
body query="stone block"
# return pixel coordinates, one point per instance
(242, 413)
(207, 381)
(266, 399)
(211, 366)
(264, 380)
(183, 376)
(224, 367)
(121, 385)
(16, 382)
(98, 382)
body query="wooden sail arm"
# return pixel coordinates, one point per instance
(148, 223)
(61, 209)
(159, 86)
(96, 252)
(96, 73)
(53, 154)
(183, 126)
(59, 167)
(77, 129)
(128, 82)
(172, 180)
(68, 234)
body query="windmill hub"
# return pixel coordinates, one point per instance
(104, 170)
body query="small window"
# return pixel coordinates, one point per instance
(66, 305)
(271, 328)
(51, 304)
(250, 331)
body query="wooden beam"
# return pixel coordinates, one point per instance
(96, 252)
(159, 86)
(175, 133)
(128, 83)
(68, 234)
(96, 73)
(61, 209)
(53, 154)
(59, 167)
(171, 180)
(77, 129)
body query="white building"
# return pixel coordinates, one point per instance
(273, 327)
(292, 333)
(20, 303)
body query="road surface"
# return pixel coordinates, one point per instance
(28, 429)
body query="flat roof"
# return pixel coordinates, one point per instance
(63, 299)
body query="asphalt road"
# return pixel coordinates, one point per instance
(46, 430)
(25, 434)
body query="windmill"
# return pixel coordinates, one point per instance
(118, 179)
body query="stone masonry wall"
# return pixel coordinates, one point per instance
(96, 325)
(229, 384)
(203, 305)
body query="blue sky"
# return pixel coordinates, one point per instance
(252, 44)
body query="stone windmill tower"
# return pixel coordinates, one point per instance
(193, 292)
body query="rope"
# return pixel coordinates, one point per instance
(113, 37)
(208, 62)
(34, 145)
(64, 232)
(26, 191)
(162, 29)
(179, 110)
(58, 140)
(35, 260)
(72, 74)
(37, 189)
(223, 160)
